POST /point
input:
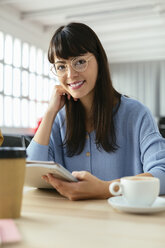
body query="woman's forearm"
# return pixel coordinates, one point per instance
(42, 135)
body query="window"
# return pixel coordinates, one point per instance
(25, 83)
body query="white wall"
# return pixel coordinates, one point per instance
(11, 22)
(144, 81)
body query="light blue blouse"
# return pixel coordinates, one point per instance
(141, 147)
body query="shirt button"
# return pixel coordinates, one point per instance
(87, 154)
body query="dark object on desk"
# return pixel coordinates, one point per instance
(12, 152)
(16, 140)
(162, 126)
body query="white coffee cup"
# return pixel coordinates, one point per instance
(137, 191)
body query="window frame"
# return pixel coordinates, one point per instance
(45, 77)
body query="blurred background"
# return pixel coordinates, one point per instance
(132, 33)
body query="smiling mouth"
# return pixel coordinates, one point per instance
(76, 85)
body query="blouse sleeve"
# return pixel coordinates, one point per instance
(152, 146)
(51, 152)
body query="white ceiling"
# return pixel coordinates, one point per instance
(129, 30)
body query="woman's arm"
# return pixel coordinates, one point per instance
(88, 186)
(152, 147)
(40, 148)
(42, 135)
(57, 101)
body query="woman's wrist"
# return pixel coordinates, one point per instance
(105, 194)
(50, 114)
(42, 135)
(106, 191)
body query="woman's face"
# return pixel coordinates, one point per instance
(79, 83)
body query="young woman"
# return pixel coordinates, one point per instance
(96, 133)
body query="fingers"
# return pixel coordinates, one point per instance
(81, 175)
(56, 183)
(68, 189)
(63, 187)
(45, 178)
(87, 187)
(62, 92)
(68, 95)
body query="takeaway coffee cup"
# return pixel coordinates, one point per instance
(12, 173)
(137, 191)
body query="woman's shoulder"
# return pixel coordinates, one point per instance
(136, 112)
(132, 105)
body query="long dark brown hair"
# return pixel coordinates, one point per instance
(73, 40)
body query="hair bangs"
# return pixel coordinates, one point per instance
(72, 40)
(68, 45)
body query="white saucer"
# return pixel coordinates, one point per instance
(119, 203)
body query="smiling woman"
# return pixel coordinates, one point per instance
(89, 127)
(68, 72)
(79, 40)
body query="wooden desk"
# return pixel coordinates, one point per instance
(49, 220)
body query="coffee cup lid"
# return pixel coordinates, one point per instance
(12, 152)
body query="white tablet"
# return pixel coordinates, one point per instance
(36, 169)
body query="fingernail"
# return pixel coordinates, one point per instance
(43, 178)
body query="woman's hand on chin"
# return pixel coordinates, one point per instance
(88, 186)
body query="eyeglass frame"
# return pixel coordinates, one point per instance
(87, 60)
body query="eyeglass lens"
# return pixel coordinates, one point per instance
(78, 64)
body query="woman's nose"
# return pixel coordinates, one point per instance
(71, 72)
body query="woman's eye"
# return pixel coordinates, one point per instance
(81, 62)
(60, 67)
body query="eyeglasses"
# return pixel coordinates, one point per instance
(78, 64)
